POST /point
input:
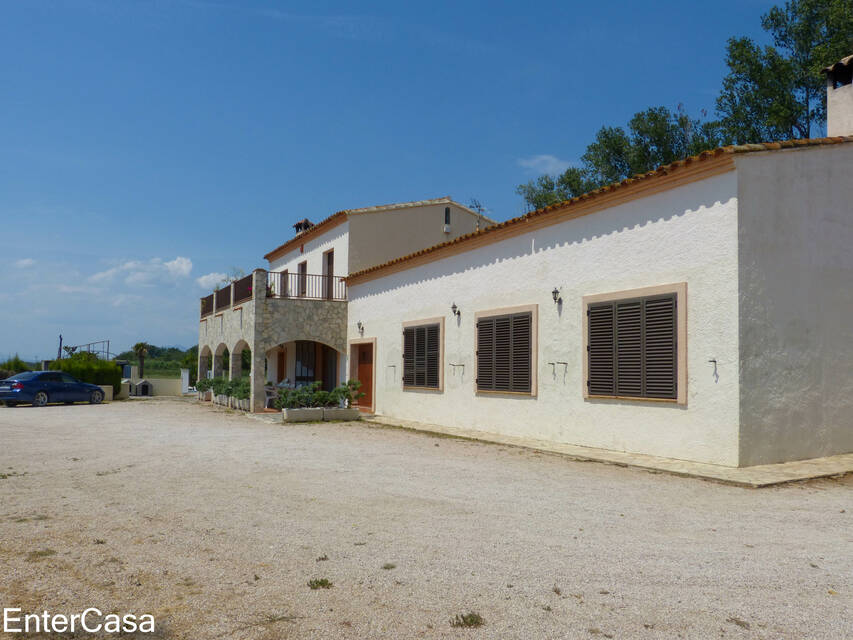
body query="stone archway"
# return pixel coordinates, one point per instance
(218, 357)
(236, 360)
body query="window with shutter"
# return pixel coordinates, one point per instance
(505, 353)
(632, 347)
(422, 356)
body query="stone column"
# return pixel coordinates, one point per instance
(259, 378)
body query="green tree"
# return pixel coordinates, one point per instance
(777, 92)
(141, 350)
(654, 137)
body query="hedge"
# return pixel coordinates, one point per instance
(93, 371)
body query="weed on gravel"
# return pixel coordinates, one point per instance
(320, 583)
(467, 620)
(35, 556)
(389, 565)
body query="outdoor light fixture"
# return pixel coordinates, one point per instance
(360, 326)
(556, 295)
(455, 310)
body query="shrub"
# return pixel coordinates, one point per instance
(219, 385)
(311, 396)
(241, 389)
(348, 393)
(13, 365)
(203, 385)
(87, 367)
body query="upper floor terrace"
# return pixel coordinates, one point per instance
(283, 285)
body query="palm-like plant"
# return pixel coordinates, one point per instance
(141, 350)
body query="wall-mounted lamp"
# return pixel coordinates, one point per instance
(360, 326)
(455, 310)
(556, 295)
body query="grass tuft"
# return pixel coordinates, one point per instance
(35, 556)
(389, 565)
(320, 583)
(467, 620)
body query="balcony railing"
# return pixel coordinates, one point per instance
(223, 298)
(207, 305)
(304, 286)
(307, 286)
(243, 289)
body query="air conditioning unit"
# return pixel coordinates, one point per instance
(446, 228)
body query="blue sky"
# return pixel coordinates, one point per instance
(147, 145)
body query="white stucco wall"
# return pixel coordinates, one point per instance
(687, 234)
(796, 303)
(336, 238)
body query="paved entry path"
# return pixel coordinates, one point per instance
(215, 523)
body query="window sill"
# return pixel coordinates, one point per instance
(633, 399)
(434, 389)
(486, 392)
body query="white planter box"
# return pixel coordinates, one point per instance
(336, 413)
(108, 392)
(309, 414)
(204, 396)
(222, 400)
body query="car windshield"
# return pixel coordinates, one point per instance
(26, 375)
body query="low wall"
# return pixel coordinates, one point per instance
(165, 386)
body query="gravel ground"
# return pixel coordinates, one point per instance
(214, 523)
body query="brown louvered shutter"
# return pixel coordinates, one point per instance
(504, 353)
(485, 354)
(433, 356)
(521, 352)
(629, 348)
(601, 350)
(420, 357)
(409, 357)
(503, 360)
(660, 347)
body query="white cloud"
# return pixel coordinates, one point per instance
(210, 280)
(23, 263)
(150, 272)
(544, 163)
(179, 267)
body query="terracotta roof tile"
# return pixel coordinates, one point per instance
(720, 152)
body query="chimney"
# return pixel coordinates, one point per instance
(839, 98)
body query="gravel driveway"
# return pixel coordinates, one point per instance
(215, 523)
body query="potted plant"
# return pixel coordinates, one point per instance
(219, 386)
(299, 405)
(242, 390)
(341, 401)
(203, 388)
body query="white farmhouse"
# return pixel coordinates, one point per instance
(292, 316)
(703, 311)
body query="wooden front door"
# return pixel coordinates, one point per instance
(364, 373)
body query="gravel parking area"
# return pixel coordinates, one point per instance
(215, 523)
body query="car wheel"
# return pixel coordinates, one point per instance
(40, 400)
(96, 397)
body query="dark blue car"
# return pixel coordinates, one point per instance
(40, 387)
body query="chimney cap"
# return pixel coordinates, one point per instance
(838, 66)
(303, 225)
